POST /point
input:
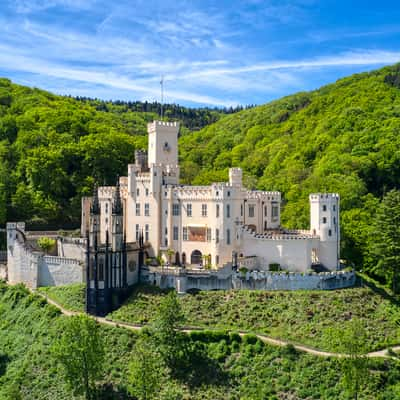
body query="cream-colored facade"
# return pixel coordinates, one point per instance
(213, 224)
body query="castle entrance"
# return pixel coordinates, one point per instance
(195, 257)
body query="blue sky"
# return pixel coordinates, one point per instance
(216, 53)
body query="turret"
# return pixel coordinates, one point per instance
(117, 220)
(324, 223)
(235, 177)
(94, 225)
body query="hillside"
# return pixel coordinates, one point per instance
(52, 148)
(237, 368)
(341, 138)
(301, 317)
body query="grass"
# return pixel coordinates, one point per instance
(304, 317)
(247, 368)
(71, 297)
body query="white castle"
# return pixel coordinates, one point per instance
(211, 226)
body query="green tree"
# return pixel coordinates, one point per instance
(146, 370)
(169, 339)
(80, 351)
(46, 243)
(386, 238)
(350, 341)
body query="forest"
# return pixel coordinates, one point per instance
(343, 137)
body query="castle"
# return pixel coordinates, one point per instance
(220, 236)
(209, 225)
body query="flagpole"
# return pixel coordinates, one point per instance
(162, 95)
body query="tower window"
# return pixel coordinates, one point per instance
(241, 210)
(330, 232)
(176, 233)
(147, 209)
(217, 236)
(217, 211)
(265, 211)
(229, 193)
(189, 210)
(228, 211)
(175, 209)
(106, 208)
(137, 209)
(324, 207)
(334, 207)
(324, 220)
(228, 236)
(137, 192)
(147, 191)
(204, 210)
(251, 211)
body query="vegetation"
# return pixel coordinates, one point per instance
(224, 366)
(305, 317)
(80, 352)
(71, 297)
(46, 244)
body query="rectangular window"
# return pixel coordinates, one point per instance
(137, 192)
(175, 209)
(208, 235)
(147, 209)
(147, 191)
(217, 259)
(330, 232)
(228, 211)
(204, 210)
(137, 232)
(176, 233)
(188, 210)
(228, 236)
(217, 235)
(241, 210)
(324, 207)
(101, 270)
(146, 233)
(334, 220)
(334, 208)
(324, 220)
(137, 209)
(265, 211)
(106, 208)
(185, 234)
(275, 212)
(251, 211)
(217, 211)
(166, 230)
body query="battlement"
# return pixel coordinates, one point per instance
(324, 196)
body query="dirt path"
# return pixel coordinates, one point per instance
(266, 339)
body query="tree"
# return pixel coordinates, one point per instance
(146, 369)
(386, 238)
(350, 342)
(80, 351)
(46, 243)
(165, 329)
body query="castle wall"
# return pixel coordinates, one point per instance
(57, 271)
(71, 248)
(291, 252)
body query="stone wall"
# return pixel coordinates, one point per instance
(183, 280)
(71, 248)
(56, 271)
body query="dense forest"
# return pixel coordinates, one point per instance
(343, 137)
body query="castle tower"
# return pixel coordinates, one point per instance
(94, 224)
(235, 176)
(117, 231)
(324, 222)
(163, 143)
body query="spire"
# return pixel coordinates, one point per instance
(117, 203)
(95, 207)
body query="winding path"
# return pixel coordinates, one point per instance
(266, 339)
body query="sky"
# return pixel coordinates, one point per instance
(210, 53)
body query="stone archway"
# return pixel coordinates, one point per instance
(196, 257)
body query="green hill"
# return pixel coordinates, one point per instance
(237, 368)
(343, 138)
